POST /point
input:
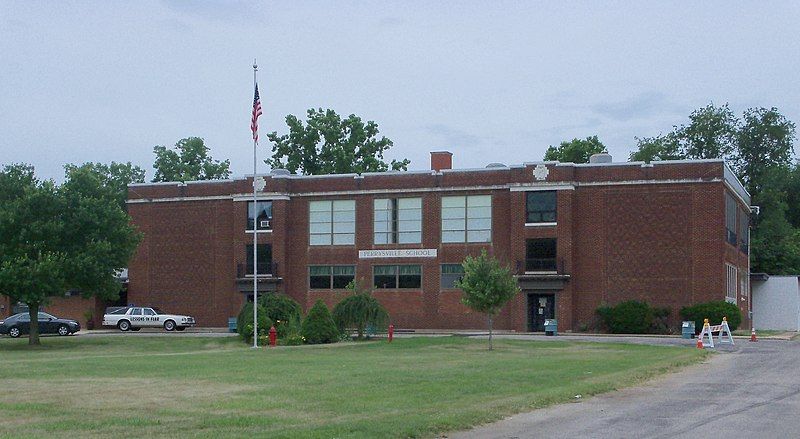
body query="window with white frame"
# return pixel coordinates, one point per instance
(398, 221)
(732, 281)
(467, 218)
(332, 222)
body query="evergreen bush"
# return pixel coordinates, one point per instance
(629, 317)
(244, 322)
(318, 326)
(360, 311)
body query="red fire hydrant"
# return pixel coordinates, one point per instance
(273, 337)
(391, 333)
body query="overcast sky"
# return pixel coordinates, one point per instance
(490, 81)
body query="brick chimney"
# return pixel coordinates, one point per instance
(441, 160)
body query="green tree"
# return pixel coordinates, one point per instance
(359, 311)
(487, 286)
(318, 326)
(188, 161)
(328, 144)
(116, 176)
(662, 147)
(575, 151)
(59, 238)
(765, 141)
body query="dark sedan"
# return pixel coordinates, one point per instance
(19, 324)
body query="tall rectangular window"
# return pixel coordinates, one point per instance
(540, 207)
(397, 276)
(398, 221)
(730, 291)
(744, 231)
(330, 276)
(540, 255)
(467, 218)
(450, 274)
(730, 219)
(261, 215)
(332, 222)
(264, 259)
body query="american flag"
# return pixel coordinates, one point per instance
(256, 113)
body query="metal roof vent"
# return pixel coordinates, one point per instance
(603, 157)
(495, 165)
(280, 172)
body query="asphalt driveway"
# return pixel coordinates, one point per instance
(747, 390)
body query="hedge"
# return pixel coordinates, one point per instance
(244, 322)
(634, 317)
(714, 312)
(284, 311)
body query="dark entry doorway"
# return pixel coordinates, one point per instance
(540, 307)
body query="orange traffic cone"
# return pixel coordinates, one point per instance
(700, 343)
(753, 335)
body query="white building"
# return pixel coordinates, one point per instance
(776, 302)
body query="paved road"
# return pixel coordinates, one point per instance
(748, 390)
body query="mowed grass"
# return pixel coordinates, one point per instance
(141, 386)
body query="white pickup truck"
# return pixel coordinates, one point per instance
(135, 318)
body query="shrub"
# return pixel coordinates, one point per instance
(360, 311)
(629, 317)
(714, 312)
(244, 322)
(282, 310)
(318, 326)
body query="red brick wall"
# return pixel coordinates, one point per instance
(663, 243)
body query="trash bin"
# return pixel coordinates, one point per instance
(551, 327)
(687, 329)
(232, 324)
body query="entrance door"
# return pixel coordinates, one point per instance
(540, 307)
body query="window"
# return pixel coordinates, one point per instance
(730, 219)
(450, 274)
(264, 217)
(540, 255)
(136, 311)
(120, 311)
(744, 232)
(540, 207)
(326, 277)
(467, 218)
(397, 276)
(398, 221)
(332, 222)
(264, 259)
(730, 291)
(149, 312)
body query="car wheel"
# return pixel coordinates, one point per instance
(169, 325)
(124, 325)
(14, 332)
(63, 330)
(180, 328)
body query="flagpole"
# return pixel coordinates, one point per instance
(255, 230)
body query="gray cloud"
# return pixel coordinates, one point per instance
(641, 106)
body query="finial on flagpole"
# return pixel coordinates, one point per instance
(255, 66)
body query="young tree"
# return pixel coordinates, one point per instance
(576, 150)
(359, 310)
(189, 161)
(117, 176)
(59, 238)
(487, 286)
(328, 144)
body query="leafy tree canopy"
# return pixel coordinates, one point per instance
(59, 238)
(576, 150)
(487, 286)
(116, 176)
(328, 144)
(188, 161)
(359, 311)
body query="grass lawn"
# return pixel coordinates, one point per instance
(139, 386)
